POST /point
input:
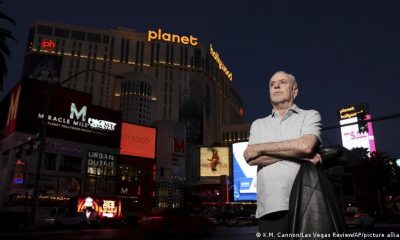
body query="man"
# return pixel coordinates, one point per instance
(277, 145)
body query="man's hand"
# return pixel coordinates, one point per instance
(314, 159)
(251, 152)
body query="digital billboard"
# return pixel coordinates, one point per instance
(244, 175)
(352, 138)
(138, 140)
(351, 135)
(71, 115)
(214, 161)
(101, 208)
(43, 67)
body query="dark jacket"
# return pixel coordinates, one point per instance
(313, 207)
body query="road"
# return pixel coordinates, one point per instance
(221, 233)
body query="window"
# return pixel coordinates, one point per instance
(61, 32)
(45, 30)
(141, 54)
(93, 37)
(77, 35)
(50, 161)
(181, 56)
(71, 164)
(172, 54)
(112, 48)
(167, 54)
(152, 54)
(137, 52)
(186, 56)
(158, 52)
(121, 57)
(106, 39)
(127, 51)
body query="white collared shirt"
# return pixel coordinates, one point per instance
(275, 181)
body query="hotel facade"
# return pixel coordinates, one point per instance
(168, 81)
(166, 76)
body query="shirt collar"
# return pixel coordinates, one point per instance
(292, 109)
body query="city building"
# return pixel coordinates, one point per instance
(168, 79)
(80, 152)
(168, 76)
(235, 133)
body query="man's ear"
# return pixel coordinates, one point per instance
(295, 92)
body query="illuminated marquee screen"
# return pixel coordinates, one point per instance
(244, 175)
(351, 137)
(71, 115)
(103, 208)
(43, 67)
(138, 140)
(214, 161)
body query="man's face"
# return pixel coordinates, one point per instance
(282, 89)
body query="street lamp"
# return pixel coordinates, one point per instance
(43, 133)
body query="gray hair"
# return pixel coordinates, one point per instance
(290, 76)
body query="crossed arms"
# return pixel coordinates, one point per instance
(302, 148)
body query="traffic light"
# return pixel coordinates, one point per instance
(362, 122)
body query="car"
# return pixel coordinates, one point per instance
(175, 221)
(60, 217)
(229, 222)
(359, 219)
(243, 221)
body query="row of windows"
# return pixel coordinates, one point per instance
(73, 34)
(235, 136)
(54, 162)
(136, 87)
(195, 61)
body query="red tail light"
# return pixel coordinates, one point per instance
(151, 218)
(357, 215)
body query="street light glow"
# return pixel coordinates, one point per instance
(398, 162)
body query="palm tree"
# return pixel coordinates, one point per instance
(4, 50)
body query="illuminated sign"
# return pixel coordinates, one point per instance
(214, 161)
(168, 37)
(13, 109)
(71, 115)
(221, 65)
(19, 172)
(103, 208)
(350, 112)
(101, 164)
(79, 125)
(9, 111)
(138, 140)
(352, 138)
(48, 44)
(244, 175)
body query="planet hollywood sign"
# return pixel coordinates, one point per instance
(77, 121)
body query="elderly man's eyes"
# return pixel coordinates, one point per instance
(282, 81)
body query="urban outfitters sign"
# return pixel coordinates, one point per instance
(101, 164)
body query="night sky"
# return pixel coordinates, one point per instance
(342, 52)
